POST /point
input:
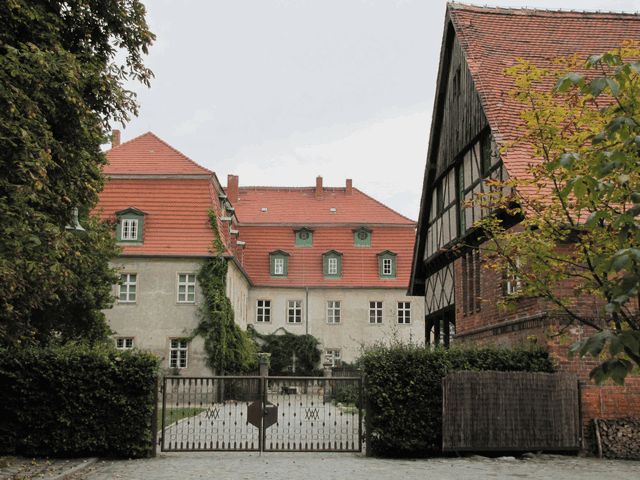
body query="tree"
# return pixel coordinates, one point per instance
(61, 85)
(579, 203)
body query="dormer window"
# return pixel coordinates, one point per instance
(129, 229)
(304, 237)
(279, 263)
(332, 264)
(387, 264)
(362, 237)
(130, 225)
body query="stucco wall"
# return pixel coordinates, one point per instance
(156, 316)
(238, 293)
(354, 329)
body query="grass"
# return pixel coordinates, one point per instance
(175, 414)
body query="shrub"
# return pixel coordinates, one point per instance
(77, 401)
(404, 391)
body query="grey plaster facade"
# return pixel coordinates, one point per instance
(156, 316)
(355, 330)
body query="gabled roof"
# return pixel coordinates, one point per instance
(299, 206)
(494, 38)
(174, 193)
(149, 155)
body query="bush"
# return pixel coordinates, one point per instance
(404, 391)
(77, 401)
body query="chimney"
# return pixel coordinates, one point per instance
(349, 187)
(318, 187)
(115, 138)
(232, 188)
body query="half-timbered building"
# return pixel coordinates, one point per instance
(475, 122)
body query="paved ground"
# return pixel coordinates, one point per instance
(316, 466)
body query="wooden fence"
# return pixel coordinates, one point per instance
(510, 411)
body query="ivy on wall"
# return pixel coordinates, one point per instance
(284, 347)
(229, 349)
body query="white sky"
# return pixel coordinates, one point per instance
(279, 91)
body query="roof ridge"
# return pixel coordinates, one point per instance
(172, 148)
(179, 152)
(542, 12)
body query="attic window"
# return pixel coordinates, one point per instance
(304, 237)
(279, 263)
(129, 228)
(387, 264)
(264, 209)
(362, 237)
(332, 264)
(333, 210)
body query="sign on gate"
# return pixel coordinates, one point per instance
(262, 414)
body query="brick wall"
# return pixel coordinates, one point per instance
(535, 320)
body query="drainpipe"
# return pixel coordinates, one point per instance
(306, 309)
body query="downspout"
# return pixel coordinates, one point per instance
(306, 310)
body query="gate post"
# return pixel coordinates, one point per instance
(327, 370)
(264, 359)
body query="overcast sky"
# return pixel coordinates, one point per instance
(280, 91)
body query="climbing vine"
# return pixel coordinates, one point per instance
(229, 349)
(284, 346)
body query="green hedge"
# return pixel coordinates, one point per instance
(77, 401)
(404, 391)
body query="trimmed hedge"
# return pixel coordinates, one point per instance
(77, 401)
(404, 391)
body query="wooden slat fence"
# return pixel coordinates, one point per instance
(510, 411)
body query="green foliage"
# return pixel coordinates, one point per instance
(77, 401)
(60, 86)
(582, 195)
(229, 348)
(404, 391)
(282, 345)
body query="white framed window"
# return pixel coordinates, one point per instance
(294, 311)
(512, 280)
(129, 229)
(387, 266)
(333, 311)
(178, 352)
(127, 289)
(124, 343)
(186, 288)
(332, 356)
(404, 312)
(332, 266)
(375, 312)
(263, 311)
(278, 266)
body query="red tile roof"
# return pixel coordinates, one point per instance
(288, 208)
(494, 38)
(299, 206)
(149, 155)
(176, 220)
(176, 209)
(359, 264)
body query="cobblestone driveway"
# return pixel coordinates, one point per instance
(318, 466)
